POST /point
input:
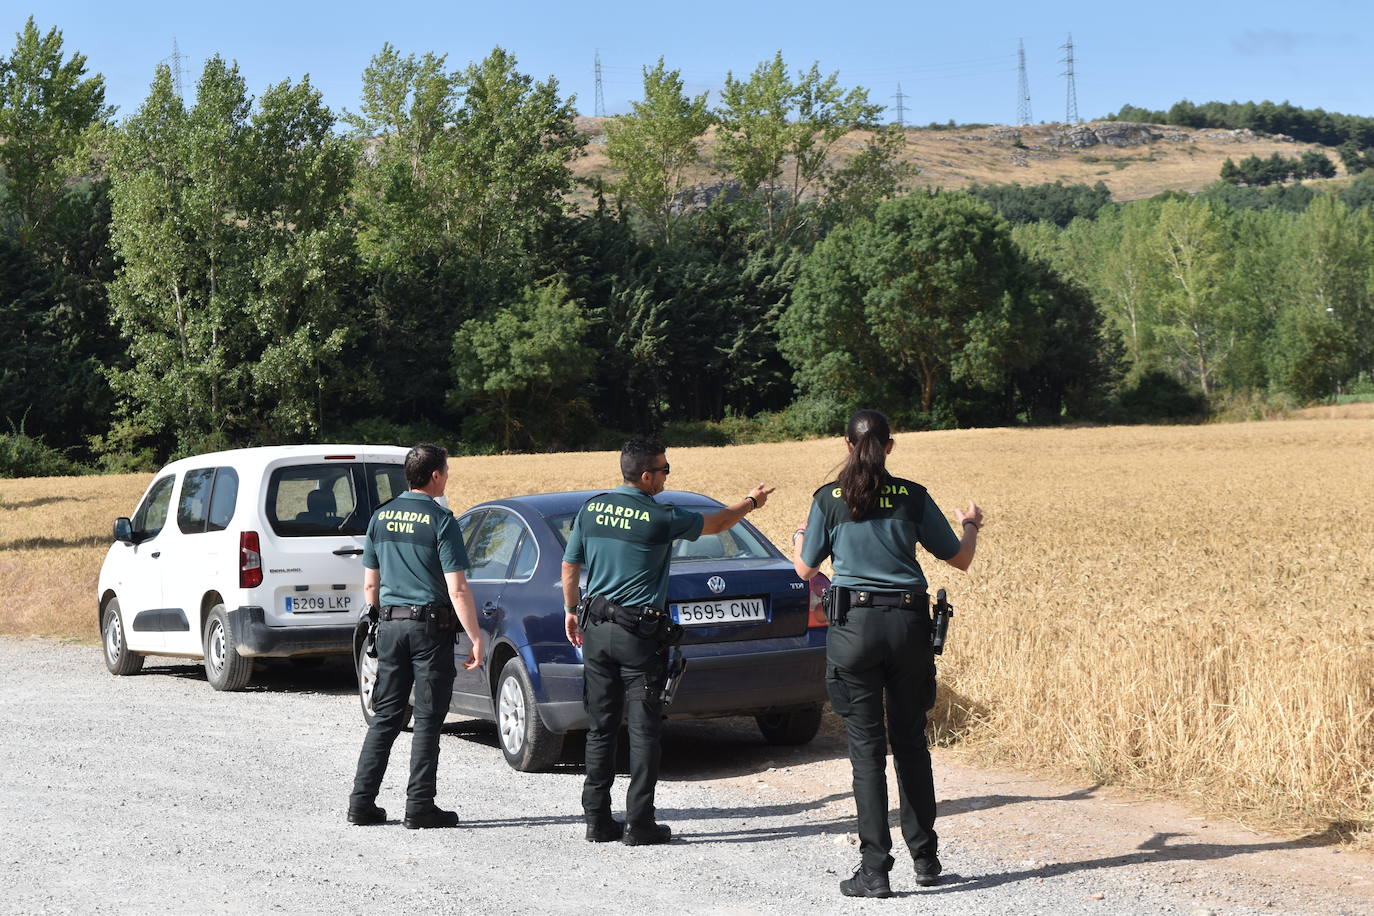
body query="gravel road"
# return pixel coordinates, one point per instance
(154, 793)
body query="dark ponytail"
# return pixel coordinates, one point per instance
(863, 474)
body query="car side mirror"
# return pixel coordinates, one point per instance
(123, 530)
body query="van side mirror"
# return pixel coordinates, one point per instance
(123, 530)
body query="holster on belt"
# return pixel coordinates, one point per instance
(439, 618)
(642, 620)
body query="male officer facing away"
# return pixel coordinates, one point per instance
(413, 564)
(625, 538)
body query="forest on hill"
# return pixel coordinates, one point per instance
(227, 270)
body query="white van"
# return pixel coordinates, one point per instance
(246, 553)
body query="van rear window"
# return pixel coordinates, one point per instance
(314, 500)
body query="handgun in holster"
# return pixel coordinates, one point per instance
(835, 602)
(677, 666)
(939, 631)
(374, 618)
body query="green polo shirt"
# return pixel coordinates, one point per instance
(625, 538)
(413, 541)
(879, 550)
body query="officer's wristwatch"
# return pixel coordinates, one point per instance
(570, 609)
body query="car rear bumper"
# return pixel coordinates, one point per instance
(714, 685)
(253, 637)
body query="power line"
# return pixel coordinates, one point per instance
(600, 107)
(1023, 99)
(901, 107)
(1071, 98)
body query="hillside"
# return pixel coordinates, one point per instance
(1133, 160)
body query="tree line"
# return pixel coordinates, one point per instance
(227, 270)
(1308, 125)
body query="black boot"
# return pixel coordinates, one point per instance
(647, 836)
(366, 815)
(866, 883)
(927, 869)
(607, 831)
(430, 817)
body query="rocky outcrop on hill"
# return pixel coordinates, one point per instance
(1113, 133)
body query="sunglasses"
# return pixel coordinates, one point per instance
(664, 469)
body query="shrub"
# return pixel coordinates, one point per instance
(22, 455)
(1157, 396)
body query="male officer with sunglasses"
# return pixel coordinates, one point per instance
(625, 538)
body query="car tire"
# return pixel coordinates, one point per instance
(366, 666)
(527, 745)
(794, 726)
(225, 669)
(119, 659)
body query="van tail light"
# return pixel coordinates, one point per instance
(815, 613)
(250, 560)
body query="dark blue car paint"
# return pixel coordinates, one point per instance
(734, 669)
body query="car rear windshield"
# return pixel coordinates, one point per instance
(334, 498)
(737, 543)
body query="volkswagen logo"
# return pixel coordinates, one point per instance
(716, 584)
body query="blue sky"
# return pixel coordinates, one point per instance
(952, 60)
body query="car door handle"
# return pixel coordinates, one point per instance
(348, 551)
(490, 608)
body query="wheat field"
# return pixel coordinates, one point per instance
(1183, 610)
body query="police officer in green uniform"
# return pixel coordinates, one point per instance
(625, 538)
(413, 563)
(878, 648)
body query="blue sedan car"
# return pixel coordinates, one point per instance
(754, 640)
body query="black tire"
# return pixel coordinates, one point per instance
(366, 667)
(118, 657)
(794, 726)
(225, 669)
(527, 745)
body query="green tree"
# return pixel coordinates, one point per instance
(235, 246)
(51, 113)
(520, 370)
(465, 178)
(1195, 258)
(656, 146)
(933, 296)
(1329, 307)
(777, 135)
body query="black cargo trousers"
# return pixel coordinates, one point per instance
(407, 655)
(877, 653)
(622, 674)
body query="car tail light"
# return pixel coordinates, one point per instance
(815, 613)
(250, 560)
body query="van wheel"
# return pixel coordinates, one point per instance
(796, 726)
(118, 658)
(224, 667)
(366, 666)
(527, 745)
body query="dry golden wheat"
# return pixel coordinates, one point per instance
(1181, 609)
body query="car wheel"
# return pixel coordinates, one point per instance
(366, 666)
(795, 726)
(224, 667)
(528, 746)
(118, 658)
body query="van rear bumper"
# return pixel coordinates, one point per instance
(253, 637)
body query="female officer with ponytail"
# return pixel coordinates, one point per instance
(869, 523)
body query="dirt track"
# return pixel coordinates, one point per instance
(156, 794)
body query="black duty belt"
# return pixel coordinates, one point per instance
(408, 611)
(862, 597)
(644, 621)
